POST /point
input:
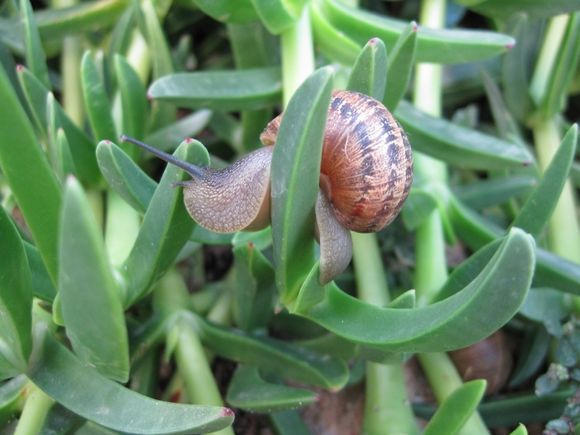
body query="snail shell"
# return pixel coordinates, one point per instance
(367, 164)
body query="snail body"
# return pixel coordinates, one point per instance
(366, 174)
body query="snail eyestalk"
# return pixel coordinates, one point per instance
(190, 168)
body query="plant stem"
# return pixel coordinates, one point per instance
(431, 266)
(34, 412)
(392, 416)
(297, 55)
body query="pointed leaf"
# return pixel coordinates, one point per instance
(223, 90)
(536, 212)
(38, 196)
(42, 285)
(433, 45)
(456, 409)
(96, 100)
(400, 66)
(250, 392)
(84, 391)
(15, 301)
(166, 227)
(295, 176)
(188, 126)
(533, 8)
(81, 146)
(481, 308)
(133, 99)
(459, 145)
(35, 57)
(495, 191)
(369, 73)
(90, 299)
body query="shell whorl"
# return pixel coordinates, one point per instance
(367, 164)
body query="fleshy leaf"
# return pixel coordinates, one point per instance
(39, 196)
(84, 391)
(369, 73)
(294, 178)
(35, 57)
(433, 45)
(250, 392)
(400, 66)
(458, 145)
(456, 409)
(15, 301)
(223, 90)
(481, 308)
(91, 301)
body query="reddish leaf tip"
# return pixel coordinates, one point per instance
(510, 45)
(19, 67)
(373, 41)
(414, 26)
(149, 96)
(188, 140)
(227, 412)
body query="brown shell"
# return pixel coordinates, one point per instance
(367, 164)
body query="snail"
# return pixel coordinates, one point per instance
(365, 176)
(490, 359)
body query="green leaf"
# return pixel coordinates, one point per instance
(228, 11)
(433, 45)
(166, 227)
(81, 146)
(369, 73)
(97, 102)
(60, 22)
(289, 423)
(546, 306)
(160, 54)
(520, 430)
(278, 15)
(400, 66)
(15, 301)
(38, 196)
(494, 191)
(287, 360)
(536, 212)
(90, 299)
(188, 126)
(223, 90)
(133, 99)
(475, 231)
(532, 8)
(456, 409)
(295, 177)
(84, 391)
(458, 145)
(472, 314)
(553, 98)
(254, 288)
(531, 355)
(332, 43)
(35, 57)
(12, 395)
(42, 286)
(514, 73)
(250, 392)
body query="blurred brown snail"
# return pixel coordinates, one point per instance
(365, 176)
(489, 359)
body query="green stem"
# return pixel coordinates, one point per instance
(431, 265)
(34, 412)
(392, 416)
(297, 55)
(548, 54)
(563, 228)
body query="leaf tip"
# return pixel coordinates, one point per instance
(373, 41)
(414, 26)
(19, 68)
(227, 412)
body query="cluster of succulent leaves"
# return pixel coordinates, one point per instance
(93, 295)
